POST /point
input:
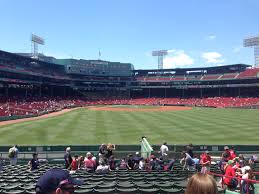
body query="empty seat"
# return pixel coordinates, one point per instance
(83, 191)
(148, 191)
(126, 190)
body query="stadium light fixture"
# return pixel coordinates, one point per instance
(35, 41)
(160, 57)
(254, 43)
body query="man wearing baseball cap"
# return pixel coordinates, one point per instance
(56, 181)
(205, 162)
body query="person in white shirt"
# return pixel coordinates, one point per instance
(103, 168)
(142, 164)
(13, 155)
(164, 150)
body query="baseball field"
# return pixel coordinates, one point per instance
(126, 124)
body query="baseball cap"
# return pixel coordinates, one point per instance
(207, 152)
(53, 179)
(230, 162)
(137, 153)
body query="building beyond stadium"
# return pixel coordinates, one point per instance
(62, 77)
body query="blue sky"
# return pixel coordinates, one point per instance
(197, 32)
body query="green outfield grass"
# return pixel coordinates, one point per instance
(84, 126)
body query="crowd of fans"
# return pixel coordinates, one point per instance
(38, 105)
(236, 170)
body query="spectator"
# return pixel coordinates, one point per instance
(75, 163)
(201, 184)
(102, 151)
(68, 158)
(34, 162)
(130, 162)
(161, 164)
(123, 164)
(230, 180)
(80, 162)
(148, 166)
(56, 181)
(13, 155)
(136, 160)
(171, 164)
(248, 186)
(154, 163)
(89, 162)
(189, 150)
(196, 161)
(109, 150)
(187, 161)
(252, 160)
(164, 150)
(205, 162)
(226, 154)
(241, 160)
(112, 163)
(142, 164)
(103, 168)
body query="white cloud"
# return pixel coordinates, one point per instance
(178, 58)
(171, 50)
(213, 57)
(211, 37)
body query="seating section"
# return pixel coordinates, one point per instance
(17, 180)
(35, 105)
(229, 76)
(248, 73)
(211, 77)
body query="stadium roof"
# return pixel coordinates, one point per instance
(215, 68)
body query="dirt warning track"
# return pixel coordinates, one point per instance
(2, 123)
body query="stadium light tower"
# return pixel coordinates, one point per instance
(160, 57)
(35, 41)
(254, 43)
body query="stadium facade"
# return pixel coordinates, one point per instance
(57, 77)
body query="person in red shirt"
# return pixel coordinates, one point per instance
(226, 154)
(74, 164)
(225, 157)
(230, 174)
(89, 163)
(205, 162)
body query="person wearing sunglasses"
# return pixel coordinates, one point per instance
(56, 181)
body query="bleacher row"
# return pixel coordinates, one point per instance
(18, 180)
(248, 73)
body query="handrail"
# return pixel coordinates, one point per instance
(238, 178)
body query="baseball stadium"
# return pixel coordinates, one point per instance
(48, 104)
(169, 105)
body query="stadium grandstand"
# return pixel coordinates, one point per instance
(48, 86)
(32, 87)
